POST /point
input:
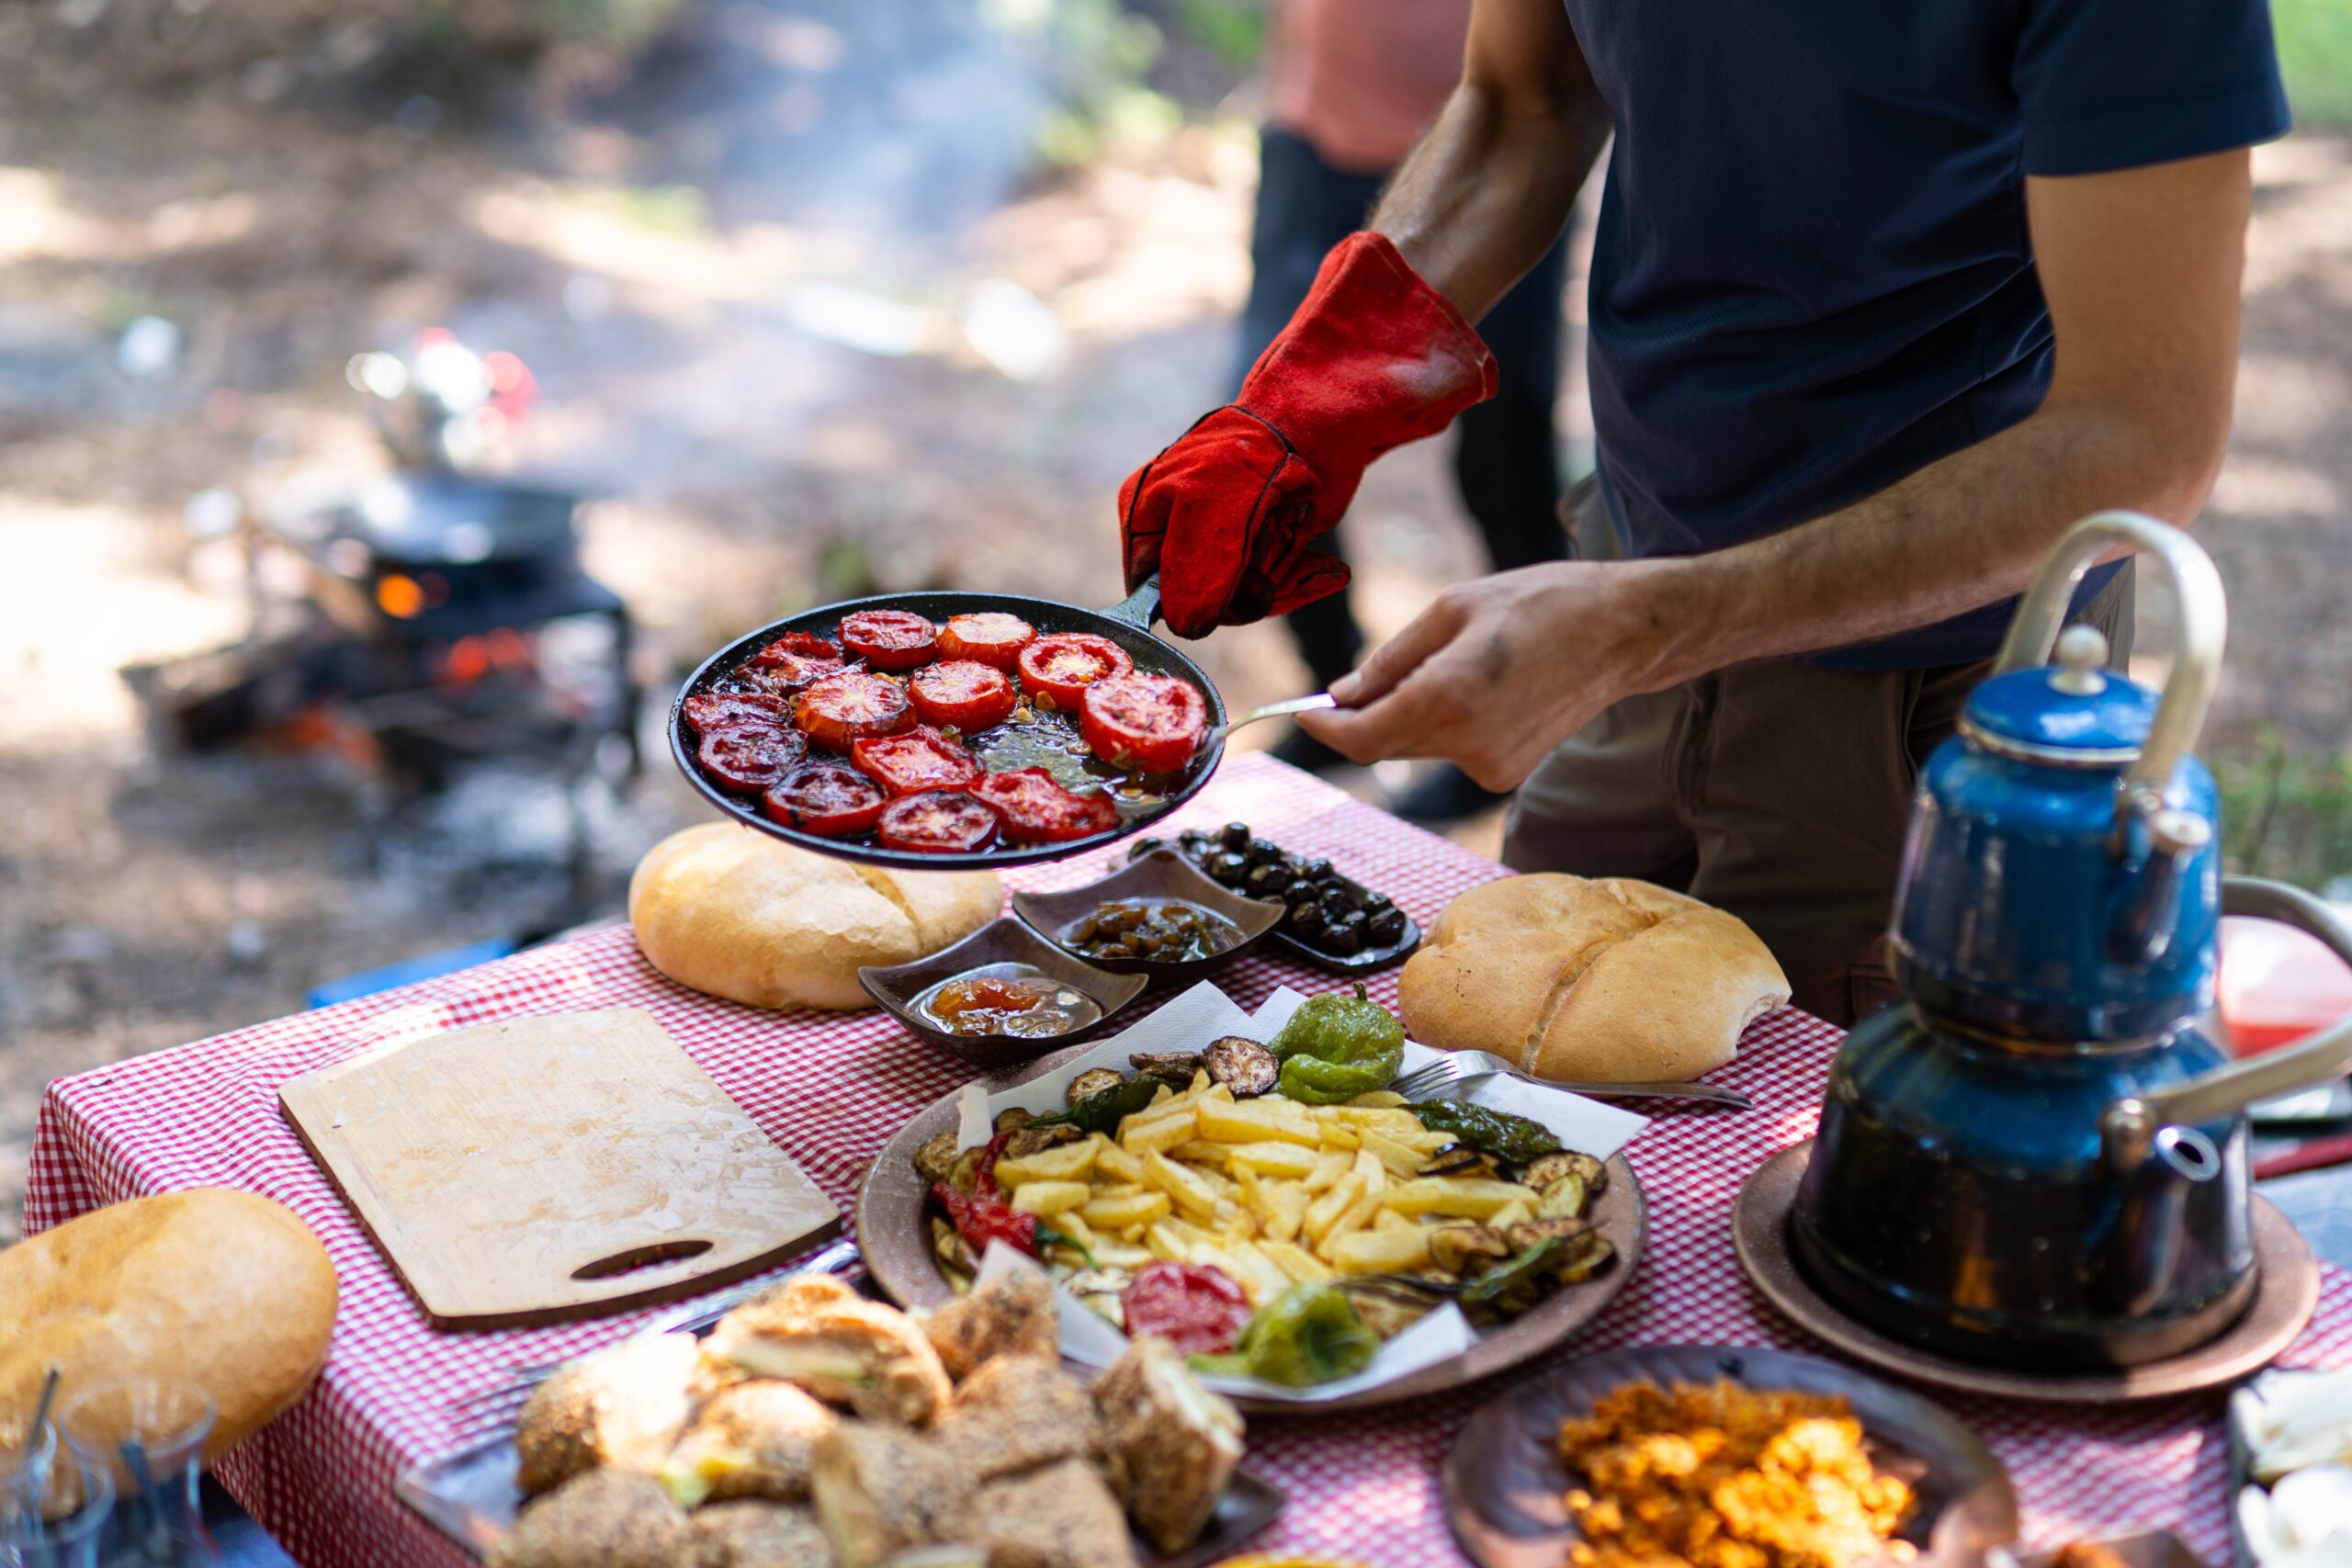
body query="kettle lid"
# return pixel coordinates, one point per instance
(2071, 714)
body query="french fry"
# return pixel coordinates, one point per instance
(1185, 1184)
(1398, 1124)
(1513, 1212)
(1064, 1162)
(1329, 1167)
(1162, 1131)
(1257, 1120)
(1380, 1251)
(1379, 1099)
(1118, 1212)
(1200, 1151)
(1302, 1265)
(1114, 1162)
(1280, 1206)
(1173, 1240)
(1337, 1134)
(1073, 1225)
(1292, 1161)
(1260, 1277)
(1403, 1163)
(1050, 1197)
(1120, 1254)
(1132, 1235)
(1370, 1180)
(1462, 1198)
(1325, 1211)
(1390, 1220)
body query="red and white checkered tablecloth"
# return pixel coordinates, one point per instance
(831, 1087)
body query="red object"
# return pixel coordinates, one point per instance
(797, 660)
(1375, 358)
(2318, 1154)
(890, 640)
(1152, 722)
(1038, 809)
(937, 821)
(829, 798)
(982, 1217)
(831, 1087)
(988, 636)
(856, 704)
(2278, 984)
(1196, 1307)
(922, 759)
(1059, 668)
(962, 693)
(707, 711)
(748, 757)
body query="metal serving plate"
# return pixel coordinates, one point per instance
(470, 1496)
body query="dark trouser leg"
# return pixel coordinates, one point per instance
(1505, 452)
(1304, 206)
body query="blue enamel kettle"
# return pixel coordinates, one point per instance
(2038, 1157)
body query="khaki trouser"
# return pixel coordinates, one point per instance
(1777, 790)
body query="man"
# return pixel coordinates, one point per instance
(1350, 85)
(1883, 297)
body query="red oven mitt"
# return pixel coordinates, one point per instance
(1375, 358)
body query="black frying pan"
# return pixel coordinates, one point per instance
(1127, 623)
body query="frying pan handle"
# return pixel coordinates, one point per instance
(1140, 608)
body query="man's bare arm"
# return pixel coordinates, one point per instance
(2141, 270)
(1490, 186)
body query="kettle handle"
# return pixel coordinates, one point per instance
(2204, 618)
(2129, 1126)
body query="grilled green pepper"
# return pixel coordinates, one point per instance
(1308, 1335)
(1337, 1047)
(1104, 1110)
(1527, 1269)
(1514, 1140)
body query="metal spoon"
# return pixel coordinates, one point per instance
(1271, 710)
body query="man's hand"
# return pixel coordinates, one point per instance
(1498, 671)
(2141, 270)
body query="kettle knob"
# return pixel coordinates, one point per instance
(2082, 654)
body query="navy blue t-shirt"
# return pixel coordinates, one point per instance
(1813, 276)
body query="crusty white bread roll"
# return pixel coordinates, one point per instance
(221, 1288)
(732, 912)
(1605, 981)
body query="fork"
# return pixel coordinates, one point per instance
(1453, 1070)
(492, 1409)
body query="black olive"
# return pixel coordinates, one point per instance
(1335, 907)
(1316, 869)
(1229, 868)
(1192, 838)
(1307, 923)
(1267, 880)
(1235, 836)
(1145, 846)
(1387, 927)
(1345, 937)
(1299, 893)
(1265, 850)
(1376, 902)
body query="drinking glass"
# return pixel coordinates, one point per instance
(147, 1435)
(81, 1495)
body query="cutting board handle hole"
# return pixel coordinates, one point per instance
(638, 1257)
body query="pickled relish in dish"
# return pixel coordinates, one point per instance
(1012, 999)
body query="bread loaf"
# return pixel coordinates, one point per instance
(221, 1288)
(728, 911)
(1606, 981)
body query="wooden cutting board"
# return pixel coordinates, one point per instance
(545, 1169)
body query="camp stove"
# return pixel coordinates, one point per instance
(433, 617)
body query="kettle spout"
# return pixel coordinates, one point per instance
(2142, 926)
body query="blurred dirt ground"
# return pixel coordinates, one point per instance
(677, 260)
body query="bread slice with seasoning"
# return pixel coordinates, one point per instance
(1171, 1443)
(619, 1407)
(600, 1518)
(1608, 980)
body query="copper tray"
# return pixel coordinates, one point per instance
(2286, 1293)
(894, 1237)
(1504, 1479)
